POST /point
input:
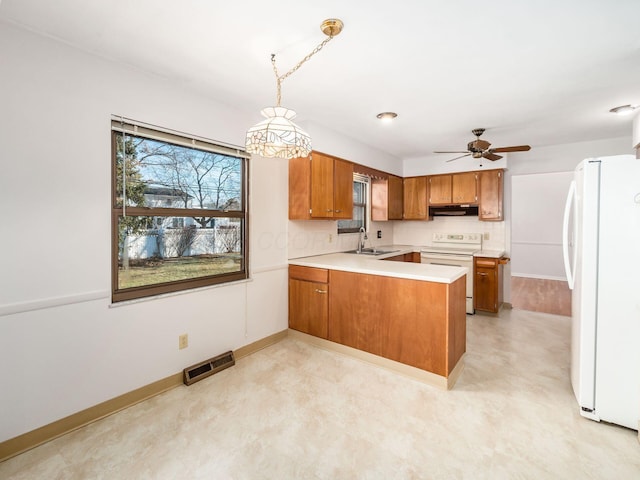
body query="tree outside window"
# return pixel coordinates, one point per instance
(179, 213)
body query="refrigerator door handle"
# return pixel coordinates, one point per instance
(565, 235)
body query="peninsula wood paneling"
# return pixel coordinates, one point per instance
(409, 321)
(457, 323)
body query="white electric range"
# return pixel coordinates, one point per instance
(456, 250)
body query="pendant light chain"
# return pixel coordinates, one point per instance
(280, 79)
(277, 136)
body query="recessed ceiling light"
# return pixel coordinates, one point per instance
(387, 116)
(624, 109)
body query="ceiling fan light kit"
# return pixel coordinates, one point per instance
(479, 148)
(386, 117)
(624, 109)
(277, 136)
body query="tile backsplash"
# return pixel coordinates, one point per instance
(317, 237)
(420, 232)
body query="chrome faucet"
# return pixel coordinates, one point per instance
(362, 239)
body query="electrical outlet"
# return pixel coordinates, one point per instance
(330, 237)
(183, 341)
(486, 235)
(379, 233)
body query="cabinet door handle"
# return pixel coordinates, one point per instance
(338, 211)
(329, 210)
(320, 291)
(482, 274)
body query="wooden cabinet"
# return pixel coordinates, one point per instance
(491, 192)
(417, 323)
(457, 188)
(487, 286)
(309, 300)
(395, 197)
(320, 186)
(464, 188)
(440, 190)
(415, 198)
(386, 198)
(413, 257)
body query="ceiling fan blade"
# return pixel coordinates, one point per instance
(491, 156)
(461, 156)
(456, 151)
(518, 148)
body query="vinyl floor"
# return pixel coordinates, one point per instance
(294, 411)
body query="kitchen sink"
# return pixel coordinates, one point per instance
(370, 251)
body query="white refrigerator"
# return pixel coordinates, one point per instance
(601, 246)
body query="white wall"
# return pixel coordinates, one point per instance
(548, 159)
(437, 164)
(55, 136)
(333, 143)
(537, 203)
(63, 347)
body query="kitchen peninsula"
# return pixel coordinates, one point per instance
(409, 317)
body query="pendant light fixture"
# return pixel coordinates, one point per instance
(277, 135)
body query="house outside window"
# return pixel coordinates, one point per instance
(179, 212)
(360, 218)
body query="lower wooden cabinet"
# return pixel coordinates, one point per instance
(487, 287)
(406, 257)
(309, 300)
(418, 323)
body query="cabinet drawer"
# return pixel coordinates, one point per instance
(486, 262)
(311, 274)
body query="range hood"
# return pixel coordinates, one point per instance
(453, 211)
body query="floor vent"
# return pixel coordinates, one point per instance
(201, 370)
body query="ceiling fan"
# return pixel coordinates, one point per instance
(480, 148)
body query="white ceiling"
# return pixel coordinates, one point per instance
(540, 72)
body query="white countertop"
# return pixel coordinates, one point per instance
(375, 265)
(489, 253)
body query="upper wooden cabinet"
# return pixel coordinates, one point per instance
(440, 189)
(464, 187)
(386, 198)
(415, 198)
(457, 188)
(491, 192)
(320, 186)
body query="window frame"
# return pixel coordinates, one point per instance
(118, 126)
(366, 180)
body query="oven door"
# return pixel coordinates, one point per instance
(454, 260)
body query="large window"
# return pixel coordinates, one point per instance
(179, 212)
(360, 206)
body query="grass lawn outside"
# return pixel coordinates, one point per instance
(153, 271)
